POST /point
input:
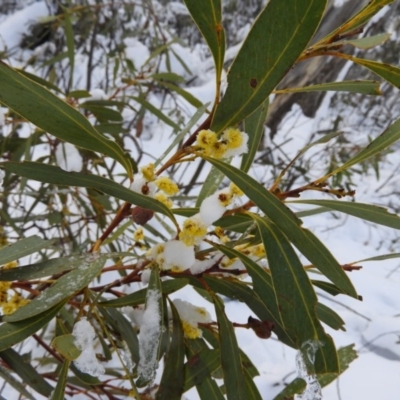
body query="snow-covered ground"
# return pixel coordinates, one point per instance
(373, 324)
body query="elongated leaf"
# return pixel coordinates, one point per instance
(290, 225)
(330, 317)
(172, 381)
(207, 16)
(151, 330)
(17, 385)
(379, 258)
(368, 42)
(367, 212)
(268, 52)
(202, 363)
(327, 287)
(13, 333)
(194, 101)
(200, 366)
(57, 176)
(196, 116)
(295, 296)
(263, 288)
(363, 87)
(156, 111)
(383, 141)
(65, 286)
(251, 387)
(59, 391)
(124, 329)
(253, 125)
(388, 72)
(230, 358)
(22, 248)
(211, 185)
(39, 106)
(139, 297)
(26, 372)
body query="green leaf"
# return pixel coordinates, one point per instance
(295, 296)
(139, 297)
(57, 176)
(124, 328)
(156, 111)
(194, 101)
(363, 87)
(263, 289)
(13, 333)
(346, 355)
(388, 72)
(379, 258)
(329, 317)
(383, 141)
(251, 387)
(172, 381)
(202, 362)
(102, 113)
(360, 18)
(253, 125)
(65, 345)
(59, 390)
(39, 106)
(211, 184)
(196, 116)
(200, 366)
(22, 248)
(327, 287)
(368, 42)
(367, 212)
(26, 372)
(5, 374)
(290, 225)
(269, 51)
(149, 355)
(207, 16)
(230, 358)
(65, 287)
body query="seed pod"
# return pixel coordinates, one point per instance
(141, 215)
(262, 329)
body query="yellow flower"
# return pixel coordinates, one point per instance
(148, 172)
(9, 308)
(225, 198)
(166, 185)
(138, 235)
(9, 265)
(206, 139)
(190, 331)
(193, 231)
(235, 190)
(219, 149)
(164, 199)
(233, 138)
(258, 250)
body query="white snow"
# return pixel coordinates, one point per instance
(178, 256)
(68, 157)
(84, 340)
(211, 209)
(149, 335)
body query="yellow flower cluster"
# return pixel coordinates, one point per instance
(138, 234)
(193, 231)
(190, 331)
(232, 142)
(148, 183)
(167, 185)
(10, 304)
(148, 172)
